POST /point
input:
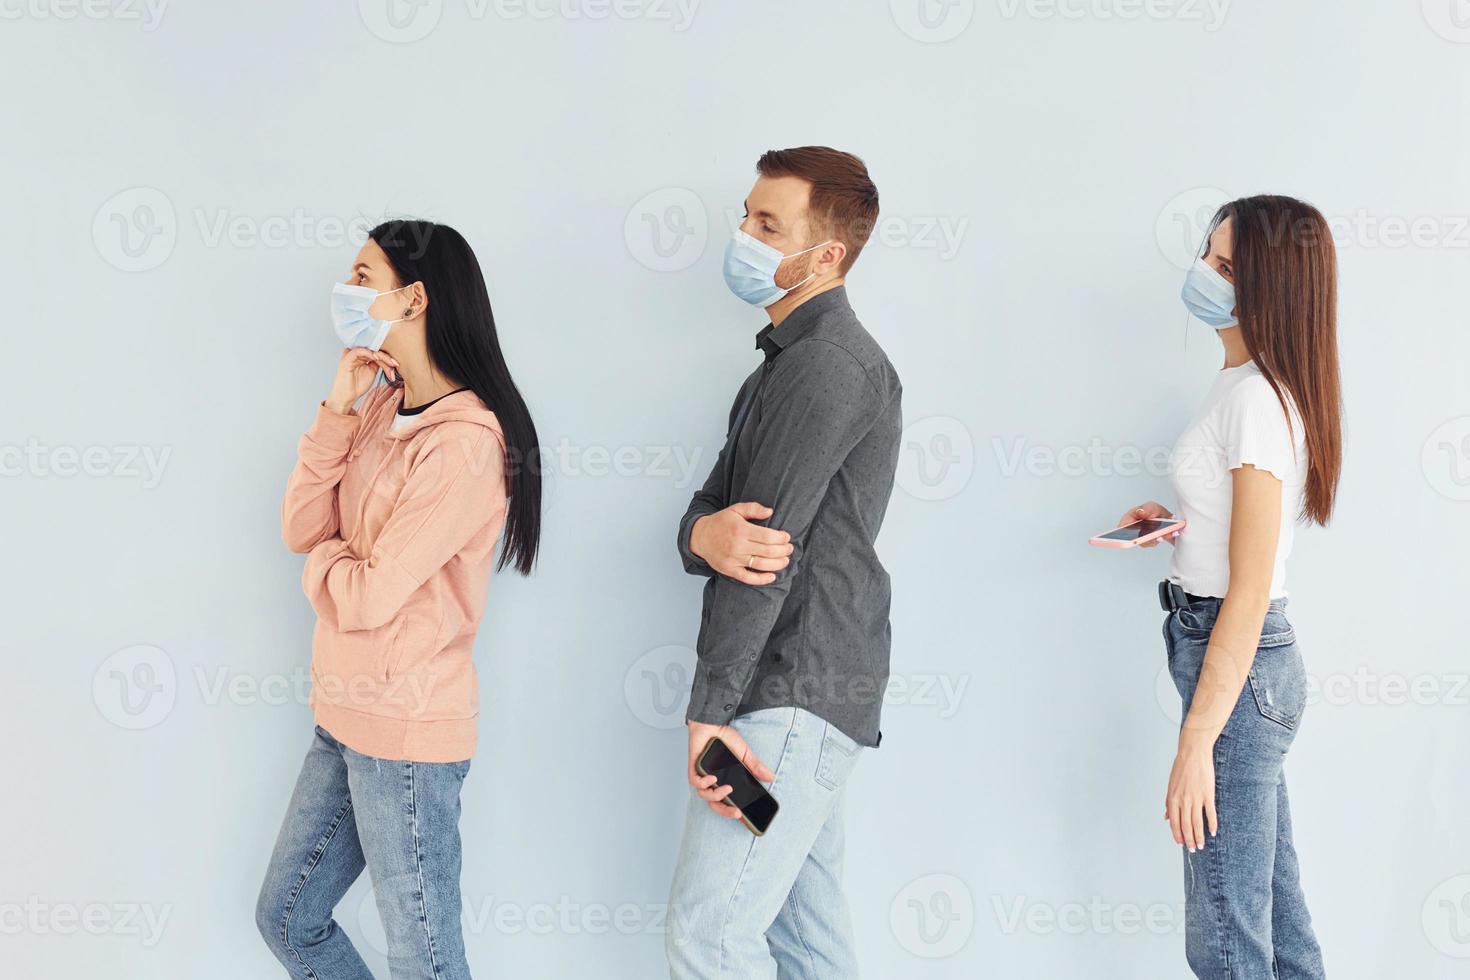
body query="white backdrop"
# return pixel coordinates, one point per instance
(184, 181)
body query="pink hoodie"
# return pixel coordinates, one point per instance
(400, 529)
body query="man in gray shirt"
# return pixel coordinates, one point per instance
(794, 638)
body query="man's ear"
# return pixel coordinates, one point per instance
(833, 248)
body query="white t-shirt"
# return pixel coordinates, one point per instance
(1241, 422)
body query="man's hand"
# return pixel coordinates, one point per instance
(734, 547)
(699, 736)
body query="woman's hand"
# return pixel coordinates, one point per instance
(1149, 510)
(1190, 803)
(355, 373)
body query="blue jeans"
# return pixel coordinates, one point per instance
(1245, 915)
(741, 903)
(401, 821)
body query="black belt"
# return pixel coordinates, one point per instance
(1172, 596)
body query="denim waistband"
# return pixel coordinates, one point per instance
(1213, 604)
(1205, 603)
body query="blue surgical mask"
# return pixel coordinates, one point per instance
(355, 326)
(1209, 295)
(750, 269)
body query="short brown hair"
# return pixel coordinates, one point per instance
(844, 201)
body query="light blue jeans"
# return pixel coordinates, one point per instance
(746, 906)
(1245, 914)
(401, 821)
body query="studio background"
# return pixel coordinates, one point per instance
(184, 184)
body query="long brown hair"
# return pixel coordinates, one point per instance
(1285, 270)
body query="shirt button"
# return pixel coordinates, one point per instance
(729, 707)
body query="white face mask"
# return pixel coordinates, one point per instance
(355, 326)
(750, 269)
(1209, 295)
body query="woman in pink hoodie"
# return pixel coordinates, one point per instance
(399, 496)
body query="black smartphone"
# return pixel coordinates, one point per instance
(757, 807)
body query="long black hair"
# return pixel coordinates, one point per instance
(464, 347)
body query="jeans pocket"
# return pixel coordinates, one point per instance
(836, 759)
(1276, 631)
(1195, 621)
(1279, 683)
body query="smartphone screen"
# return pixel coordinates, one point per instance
(746, 793)
(1137, 530)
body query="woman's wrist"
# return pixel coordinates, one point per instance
(1196, 738)
(339, 408)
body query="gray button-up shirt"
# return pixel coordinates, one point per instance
(814, 435)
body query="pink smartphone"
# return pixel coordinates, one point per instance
(1137, 533)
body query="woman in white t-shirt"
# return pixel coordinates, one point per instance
(1262, 452)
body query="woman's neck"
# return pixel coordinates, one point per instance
(1236, 353)
(422, 383)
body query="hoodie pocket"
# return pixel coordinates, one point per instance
(393, 649)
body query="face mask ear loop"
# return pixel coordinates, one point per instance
(407, 315)
(810, 277)
(806, 250)
(397, 380)
(388, 292)
(800, 284)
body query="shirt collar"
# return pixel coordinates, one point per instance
(799, 322)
